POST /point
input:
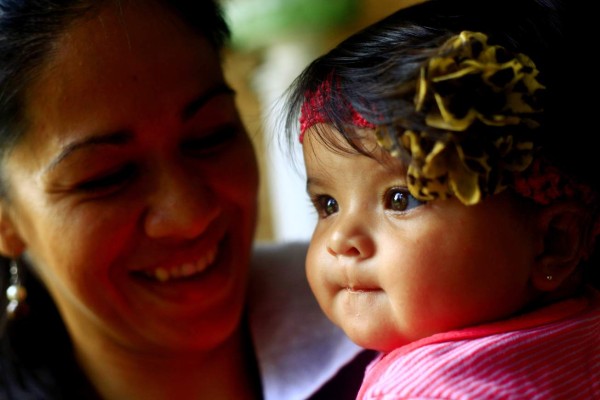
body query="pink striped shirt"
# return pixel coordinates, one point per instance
(552, 353)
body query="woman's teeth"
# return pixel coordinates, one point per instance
(184, 270)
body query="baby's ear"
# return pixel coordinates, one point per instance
(11, 244)
(564, 239)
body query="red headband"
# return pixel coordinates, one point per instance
(314, 104)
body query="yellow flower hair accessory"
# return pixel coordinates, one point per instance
(480, 104)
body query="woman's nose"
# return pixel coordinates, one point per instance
(180, 207)
(349, 237)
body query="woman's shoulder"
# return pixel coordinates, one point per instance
(269, 255)
(36, 357)
(24, 376)
(278, 282)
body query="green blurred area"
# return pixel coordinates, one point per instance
(256, 23)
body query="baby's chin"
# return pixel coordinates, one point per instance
(376, 339)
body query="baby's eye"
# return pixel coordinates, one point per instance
(325, 205)
(400, 199)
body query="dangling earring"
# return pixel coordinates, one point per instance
(16, 292)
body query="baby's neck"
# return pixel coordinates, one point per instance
(569, 289)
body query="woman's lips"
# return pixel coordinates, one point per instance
(181, 271)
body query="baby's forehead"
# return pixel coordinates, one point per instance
(361, 142)
(350, 137)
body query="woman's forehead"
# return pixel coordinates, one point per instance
(111, 74)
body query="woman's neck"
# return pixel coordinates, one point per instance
(226, 372)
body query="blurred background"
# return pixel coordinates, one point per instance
(273, 40)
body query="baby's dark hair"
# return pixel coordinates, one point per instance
(375, 73)
(377, 67)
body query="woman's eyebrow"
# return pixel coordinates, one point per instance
(114, 138)
(122, 137)
(196, 104)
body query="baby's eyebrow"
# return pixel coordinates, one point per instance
(313, 182)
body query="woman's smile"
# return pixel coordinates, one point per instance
(186, 270)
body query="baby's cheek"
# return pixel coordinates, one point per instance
(321, 286)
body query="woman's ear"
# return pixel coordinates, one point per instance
(11, 244)
(564, 236)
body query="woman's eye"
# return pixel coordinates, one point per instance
(207, 144)
(325, 205)
(108, 182)
(400, 199)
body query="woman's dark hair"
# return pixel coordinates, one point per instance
(36, 358)
(375, 72)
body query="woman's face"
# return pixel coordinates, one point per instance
(389, 269)
(134, 189)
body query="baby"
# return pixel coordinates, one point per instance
(456, 222)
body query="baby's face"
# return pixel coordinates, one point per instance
(389, 269)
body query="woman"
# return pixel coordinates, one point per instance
(129, 190)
